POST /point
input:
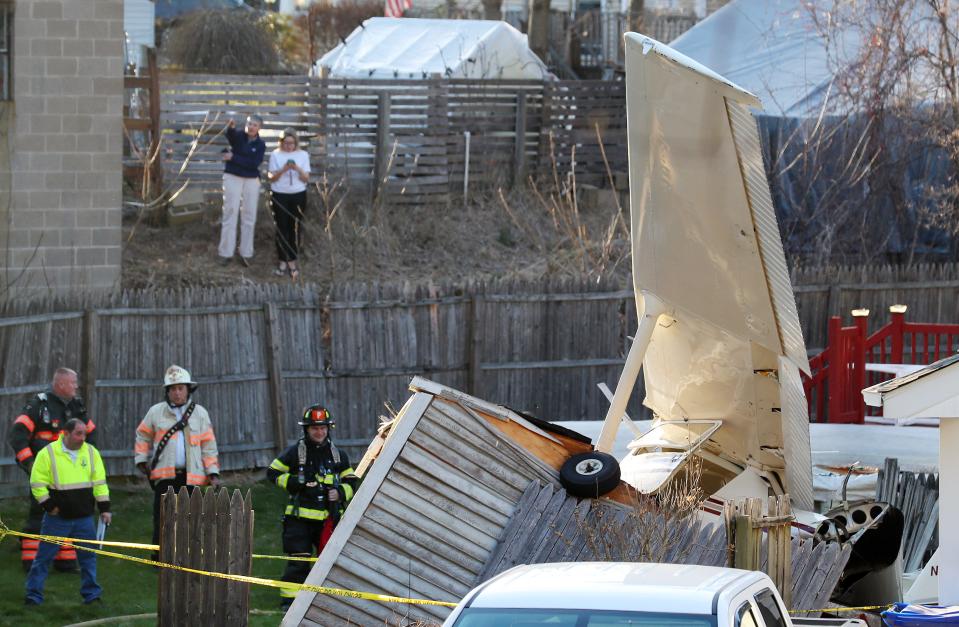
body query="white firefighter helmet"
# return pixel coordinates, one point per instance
(175, 375)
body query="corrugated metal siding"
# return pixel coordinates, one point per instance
(138, 17)
(795, 421)
(746, 138)
(430, 524)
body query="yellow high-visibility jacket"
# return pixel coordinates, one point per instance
(57, 481)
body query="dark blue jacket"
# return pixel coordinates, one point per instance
(247, 154)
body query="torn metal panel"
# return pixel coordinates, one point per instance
(706, 245)
(431, 508)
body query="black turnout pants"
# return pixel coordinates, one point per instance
(301, 537)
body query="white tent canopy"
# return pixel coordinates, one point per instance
(406, 48)
(778, 50)
(773, 48)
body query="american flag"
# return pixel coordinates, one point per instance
(396, 8)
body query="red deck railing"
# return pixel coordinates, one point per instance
(834, 391)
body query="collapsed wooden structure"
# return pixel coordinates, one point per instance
(456, 489)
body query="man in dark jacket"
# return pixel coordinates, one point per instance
(241, 188)
(40, 422)
(320, 482)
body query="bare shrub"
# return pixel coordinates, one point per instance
(223, 42)
(594, 246)
(653, 526)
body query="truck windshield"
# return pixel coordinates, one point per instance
(505, 617)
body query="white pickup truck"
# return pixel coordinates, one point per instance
(608, 594)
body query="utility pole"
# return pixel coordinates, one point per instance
(538, 29)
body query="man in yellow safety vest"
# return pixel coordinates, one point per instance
(67, 480)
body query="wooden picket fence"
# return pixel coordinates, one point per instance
(407, 141)
(210, 531)
(745, 524)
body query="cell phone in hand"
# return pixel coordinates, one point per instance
(290, 162)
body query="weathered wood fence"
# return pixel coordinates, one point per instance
(263, 353)
(422, 139)
(210, 531)
(745, 524)
(548, 525)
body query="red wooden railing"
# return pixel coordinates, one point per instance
(834, 391)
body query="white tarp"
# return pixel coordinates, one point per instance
(773, 48)
(407, 48)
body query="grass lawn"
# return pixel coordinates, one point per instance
(130, 588)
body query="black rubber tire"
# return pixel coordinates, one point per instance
(590, 475)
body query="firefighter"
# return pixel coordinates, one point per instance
(320, 482)
(40, 422)
(175, 445)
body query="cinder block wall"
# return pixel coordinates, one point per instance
(65, 146)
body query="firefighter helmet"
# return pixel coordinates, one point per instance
(317, 416)
(176, 375)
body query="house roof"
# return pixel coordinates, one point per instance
(932, 392)
(405, 48)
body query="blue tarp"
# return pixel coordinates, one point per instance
(905, 615)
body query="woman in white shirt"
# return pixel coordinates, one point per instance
(289, 171)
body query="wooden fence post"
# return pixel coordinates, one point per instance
(473, 348)
(519, 141)
(837, 367)
(898, 314)
(858, 380)
(274, 365)
(744, 530)
(210, 531)
(89, 364)
(381, 158)
(154, 69)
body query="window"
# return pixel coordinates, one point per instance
(769, 609)
(6, 50)
(745, 617)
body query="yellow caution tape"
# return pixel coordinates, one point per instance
(150, 547)
(844, 609)
(370, 596)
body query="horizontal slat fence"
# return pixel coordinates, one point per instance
(424, 139)
(262, 353)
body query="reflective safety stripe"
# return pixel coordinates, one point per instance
(283, 480)
(28, 555)
(49, 436)
(90, 427)
(66, 555)
(278, 465)
(305, 512)
(209, 461)
(102, 497)
(29, 543)
(26, 421)
(73, 486)
(24, 453)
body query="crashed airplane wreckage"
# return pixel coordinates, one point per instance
(456, 489)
